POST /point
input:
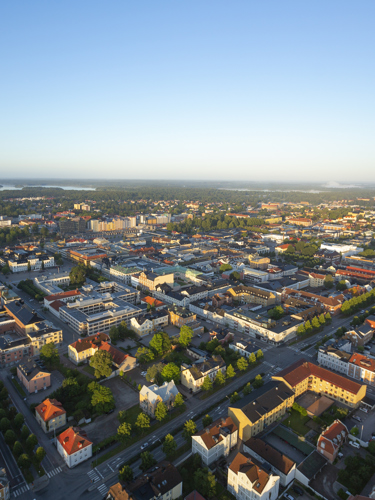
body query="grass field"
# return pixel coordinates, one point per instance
(297, 423)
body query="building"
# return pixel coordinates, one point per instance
(361, 336)
(50, 415)
(330, 304)
(316, 280)
(280, 464)
(216, 440)
(334, 359)
(118, 492)
(252, 295)
(4, 485)
(192, 376)
(162, 482)
(73, 225)
(180, 316)
(258, 262)
(299, 221)
(362, 368)
(150, 397)
(304, 376)
(73, 446)
(32, 377)
(150, 322)
(244, 348)
(29, 261)
(248, 480)
(83, 349)
(150, 280)
(261, 408)
(331, 440)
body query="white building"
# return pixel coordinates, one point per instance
(216, 440)
(334, 359)
(248, 481)
(243, 348)
(73, 446)
(36, 263)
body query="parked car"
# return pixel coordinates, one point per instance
(288, 497)
(298, 489)
(340, 455)
(144, 446)
(354, 444)
(362, 408)
(355, 417)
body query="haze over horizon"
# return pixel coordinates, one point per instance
(277, 91)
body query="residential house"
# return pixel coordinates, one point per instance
(33, 378)
(256, 411)
(192, 376)
(153, 303)
(216, 440)
(50, 415)
(150, 280)
(281, 465)
(162, 482)
(180, 316)
(150, 397)
(361, 336)
(118, 492)
(73, 446)
(122, 362)
(150, 322)
(86, 347)
(362, 368)
(244, 348)
(331, 440)
(316, 280)
(334, 359)
(248, 480)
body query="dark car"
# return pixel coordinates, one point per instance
(110, 411)
(298, 489)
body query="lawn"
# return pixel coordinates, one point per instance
(89, 369)
(297, 422)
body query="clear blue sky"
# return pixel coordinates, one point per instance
(198, 89)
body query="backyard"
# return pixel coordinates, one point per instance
(297, 423)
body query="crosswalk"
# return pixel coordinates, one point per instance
(103, 489)
(54, 472)
(20, 490)
(93, 475)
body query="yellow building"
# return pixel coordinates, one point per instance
(150, 280)
(253, 295)
(304, 376)
(261, 408)
(258, 262)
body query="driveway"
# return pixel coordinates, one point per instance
(56, 381)
(324, 481)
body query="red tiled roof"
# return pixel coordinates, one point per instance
(73, 440)
(56, 304)
(211, 435)
(363, 361)
(242, 463)
(63, 295)
(117, 355)
(152, 301)
(302, 369)
(81, 345)
(333, 437)
(50, 408)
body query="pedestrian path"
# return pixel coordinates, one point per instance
(93, 475)
(54, 472)
(20, 490)
(103, 490)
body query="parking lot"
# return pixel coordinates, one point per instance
(366, 426)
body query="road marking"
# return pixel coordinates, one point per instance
(21, 490)
(93, 476)
(54, 472)
(102, 489)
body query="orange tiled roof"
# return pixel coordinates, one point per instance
(73, 440)
(363, 361)
(211, 435)
(50, 408)
(242, 463)
(63, 295)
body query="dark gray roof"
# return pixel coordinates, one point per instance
(22, 313)
(312, 464)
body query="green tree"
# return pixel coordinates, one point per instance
(242, 364)
(126, 474)
(179, 400)
(154, 373)
(207, 420)
(4, 424)
(28, 266)
(147, 461)
(10, 437)
(77, 275)
(24, 461)
(17, 449)
(219, 379)
(308, 326)
(276, 313)
(161, 411)
(234, 398)
(322, 319)
(230, 372)
(225, 267)
(207, 384)
(160, 342)
(121, 416)
(31, 442)
(19, 420)
(102, 362)
(189, 429)
(171, 372)
(5, 269)
(341, 286)
(252, 358)
(186, 334)
(328, 281)
(247, 389)
(301, 329)
(144, 355)
(205, 483)
(354, 431)
(102, 398)
(49, 354)
(114, 334)
(315, 323)
(258, 382)
(169, 445)
(124, 431)
(40, 454)
(142, 422)
(260, 354)
(24, 431)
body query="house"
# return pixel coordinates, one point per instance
(121, 361)
(261, 408)
(162, 482)
(150, 397)
(248, 480)
(4, 485)
(153, 303)
(73, 446)
(192, 376)
(334, 359)
(180, 316)
(362, 368)
(150, 280)
(331, 439)
(84, 348)
(216, 440)
(361, 336)
(50, 415)
(32, 377)
(118, 492)
(304, 376)
(244, 348)
(194, 495)
(281, 465)
(316, 280)
(150, 322)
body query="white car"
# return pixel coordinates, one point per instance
(365, 410)
(354, 444)
(145, 445)
(354, 417)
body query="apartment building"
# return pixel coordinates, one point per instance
(33, 378)
(316, 280)
(149, 323)
(331, 440)
(115, 224)
(72, 225)
(331, 304)
(150, 397)
(248, 480)
(299, 221)
(280, 464)
(253, 295)
(261, 408)
(362, 368)
(258, 262)
(192, 376)
(180, 316)
(83, 349)
(50, 415)
(162, 482)
(361, 336)
(215, 441)
(150, 280)
(303, 375)
(73, 446)
(334, 359)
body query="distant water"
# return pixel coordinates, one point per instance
(75, 188)
(275, 190)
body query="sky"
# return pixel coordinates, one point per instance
(198, 89)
